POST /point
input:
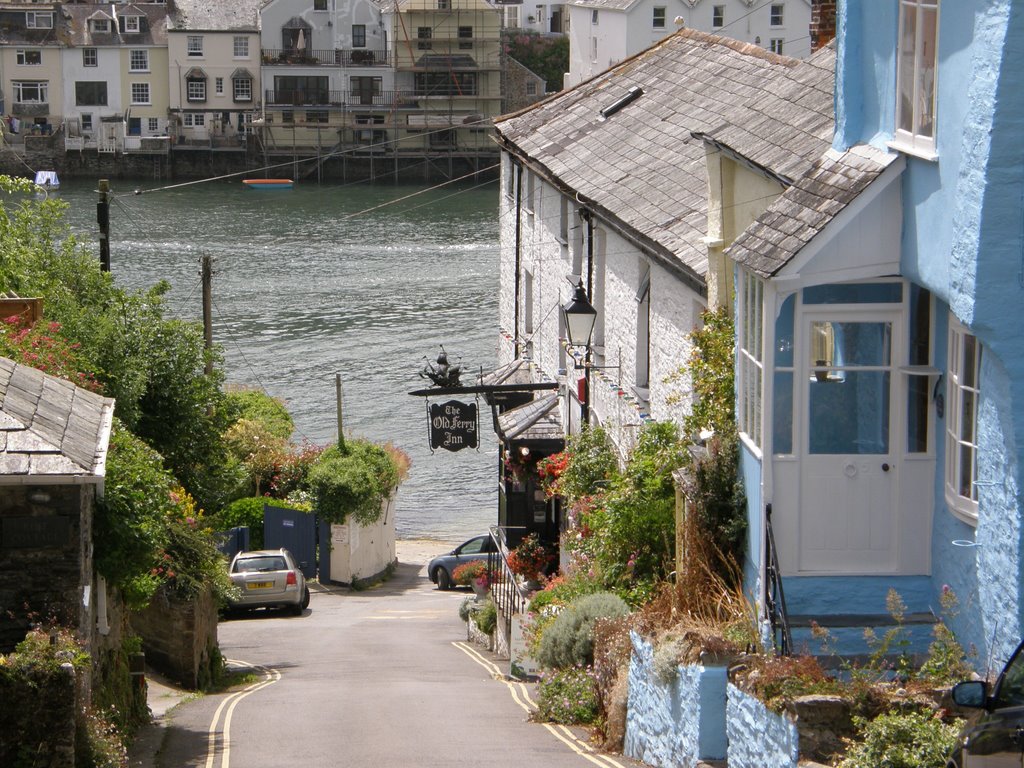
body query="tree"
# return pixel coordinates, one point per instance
(547, 57)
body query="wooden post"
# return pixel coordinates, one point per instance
(207, 279)
(103, 219)
(341, 430)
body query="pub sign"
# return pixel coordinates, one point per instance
(453, 425)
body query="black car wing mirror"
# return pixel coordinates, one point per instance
(972, 694)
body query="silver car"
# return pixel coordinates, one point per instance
(268, 579)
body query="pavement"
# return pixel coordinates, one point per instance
(163, 695)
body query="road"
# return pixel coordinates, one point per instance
(380, 678)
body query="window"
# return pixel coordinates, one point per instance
(241, 89)
(593, 50)
(423, 35)
(717, 16)
(446, 84)
(86, 121)
(319, 5)
(89, 57)
(643, 334)
(287, 116)
(444, 5)
(316, 116)
(153, 125)
(964, 389)
(775, 45)
(30, 58)
(775, 15)
(130, 24)
(101, 25)
(195, 45)
(30, 92)
(510, 16)
(218, 86)
(917, 58)
(240, 48)
(751, 357)
(531, 87)
(509, 171)
(37, 20)
(531, 187)
(542, 14)
(658, 17)
(563, 221)
(140, 93)
(358, 35)
(195, 89)
(465, 38)
(138, 60)
(593, 17)
(91, 94)
(194, 119)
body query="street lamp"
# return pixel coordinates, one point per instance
(580, 318)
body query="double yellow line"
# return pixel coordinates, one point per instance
(521, 695)
(227, 708)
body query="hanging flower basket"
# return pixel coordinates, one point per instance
(529, 559)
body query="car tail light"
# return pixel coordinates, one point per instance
(291, 580)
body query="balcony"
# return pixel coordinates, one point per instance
(337, 57)
(339, 99)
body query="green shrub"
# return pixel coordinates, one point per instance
(902, 740)
(487, 618)
(569, 640)
(247, 513)
(354, 480)
(256, 405)
(569, 696)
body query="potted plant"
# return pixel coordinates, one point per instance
(476, 575)
(529, 559)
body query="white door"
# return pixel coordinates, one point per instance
(849, 382)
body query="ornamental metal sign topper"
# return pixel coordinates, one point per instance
(453, 425)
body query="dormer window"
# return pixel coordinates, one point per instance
(916, 68)
(130, 24)
(101, 25)
(37, 20)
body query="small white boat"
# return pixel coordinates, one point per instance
(47, 180)
(268, 183)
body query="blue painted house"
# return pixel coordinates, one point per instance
(880, 351)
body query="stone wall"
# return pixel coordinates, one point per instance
(675, 723)
(45, 546)
(758, 738)
(37, 718)
(180, 637)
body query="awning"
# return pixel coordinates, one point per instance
(195, 74)
(539, 421)
(241, 74)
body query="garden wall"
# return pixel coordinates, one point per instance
(363, 552)
(179, 637)
(37, 719)
(757, 737)
(677, 723)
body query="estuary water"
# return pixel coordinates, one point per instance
(362, 280)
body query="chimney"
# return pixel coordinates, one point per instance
(823, 23)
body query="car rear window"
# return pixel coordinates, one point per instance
(254, 564)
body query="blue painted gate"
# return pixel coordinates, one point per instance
(293, 530)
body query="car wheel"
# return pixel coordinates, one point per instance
(305, 599)
(444, 580)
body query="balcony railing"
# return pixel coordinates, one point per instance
(348, 99)
(328, 57)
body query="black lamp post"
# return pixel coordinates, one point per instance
(580, 318)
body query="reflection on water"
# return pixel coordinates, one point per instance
(303, 290)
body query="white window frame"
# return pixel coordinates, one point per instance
(642, 370)
(194, 45)
(90, 57)
(131, 24)
(218, 86)
(42, 89)
(240, 47)
(917, 72)
(963, 392)
(138, 60)
(141, 94)
(775, 45)
(717, 16)
(777, 15)
(101, 25)
(241, 89)
(21, 57)
(594, 17)
(195, 90)
(750, 358)
(38, 20)
(659, 17)
(154, 125)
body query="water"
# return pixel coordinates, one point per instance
(303, 290)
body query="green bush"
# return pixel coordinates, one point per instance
(354, 480)
(246, 513)
(902, 740)
(487, 618)
(256, 405)
(569, 640)
(569, 696)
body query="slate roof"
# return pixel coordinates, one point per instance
(805, 208)
(49, 427)
(217, 16)
(538, 420)
(643, 167)
(79, 35)
(516, 372)
(612, 5)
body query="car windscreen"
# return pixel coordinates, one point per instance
(258, 564)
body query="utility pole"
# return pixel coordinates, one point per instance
(103, 219)
(207, 278)
(341, 431)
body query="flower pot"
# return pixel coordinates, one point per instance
(480, 587)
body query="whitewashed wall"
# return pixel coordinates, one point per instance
(363, 551)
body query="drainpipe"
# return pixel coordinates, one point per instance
(585, 406)
(518, 256)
